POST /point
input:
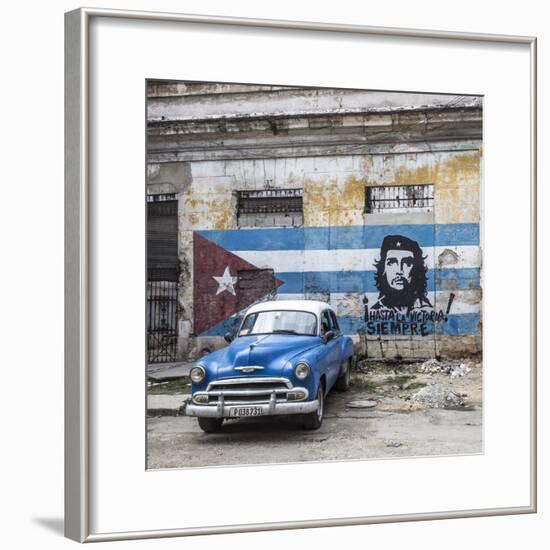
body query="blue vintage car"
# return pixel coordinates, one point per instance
(285, 358)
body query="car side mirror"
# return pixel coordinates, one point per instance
(328, 336)
(228, 337)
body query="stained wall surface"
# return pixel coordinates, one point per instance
(209, 143)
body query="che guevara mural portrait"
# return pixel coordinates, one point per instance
(367, 201)
(401, 275)
(402, 281)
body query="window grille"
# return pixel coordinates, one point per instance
(270, 208)
(163, 197)
(270, 201)
(399, 198)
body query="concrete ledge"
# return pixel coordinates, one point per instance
(166, 405)
(168, 371)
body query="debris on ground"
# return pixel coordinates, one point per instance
(365, 366)
(460, 371)
(395, 444)
(363, 404)
(431, 366)
(438, 396)
(455, 368)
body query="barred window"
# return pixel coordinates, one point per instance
(399, 198)
(270, 208)
(162, 197)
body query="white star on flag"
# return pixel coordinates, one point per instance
(226, 282)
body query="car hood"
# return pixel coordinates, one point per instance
(270, 351)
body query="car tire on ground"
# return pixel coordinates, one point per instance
(313, 420)
(210, 425)
(343, 381)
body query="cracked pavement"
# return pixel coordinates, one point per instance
(396, 427)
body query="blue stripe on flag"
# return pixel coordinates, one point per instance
(350, 237)
(456, 325)
(363, 281)
(467, 323)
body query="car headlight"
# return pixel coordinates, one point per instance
(302, 371)
(197, 374)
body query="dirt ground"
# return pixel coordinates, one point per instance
(379, 417)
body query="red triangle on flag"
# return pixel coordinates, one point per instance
(224, 284)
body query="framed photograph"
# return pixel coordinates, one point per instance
(286, 302)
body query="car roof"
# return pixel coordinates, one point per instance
(311, 306)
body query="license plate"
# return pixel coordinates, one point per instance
(245, 411)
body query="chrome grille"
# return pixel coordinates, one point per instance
(252, 390)
(247, 386)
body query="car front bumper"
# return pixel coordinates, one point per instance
(272, 408)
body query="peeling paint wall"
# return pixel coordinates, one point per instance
(332, 256)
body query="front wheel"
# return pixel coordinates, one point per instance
(313, 420)
(210, 425)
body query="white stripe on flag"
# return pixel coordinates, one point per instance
(298, 261)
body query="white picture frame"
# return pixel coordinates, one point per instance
(85, 438)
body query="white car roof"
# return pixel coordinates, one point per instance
(311, 306)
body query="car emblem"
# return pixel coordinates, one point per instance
(248, 370)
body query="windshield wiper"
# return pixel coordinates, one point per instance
(284, 331)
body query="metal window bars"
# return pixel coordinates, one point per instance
(399, 197)
(161, 197)
(268, 201)
(161, 318)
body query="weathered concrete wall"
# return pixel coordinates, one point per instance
(285, 101)
(168, 177)
(334, 196)
(332, 256)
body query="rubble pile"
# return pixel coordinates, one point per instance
(455, 369)
(460, 371)
(438, 396)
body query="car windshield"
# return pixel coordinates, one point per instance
(280, 322)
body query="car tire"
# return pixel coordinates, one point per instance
(343, 381)
(313, 420)
(210, 425)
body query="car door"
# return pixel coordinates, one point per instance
(339, 338)
(331, 353)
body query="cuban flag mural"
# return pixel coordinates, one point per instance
(224, 284)
(385, 281)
